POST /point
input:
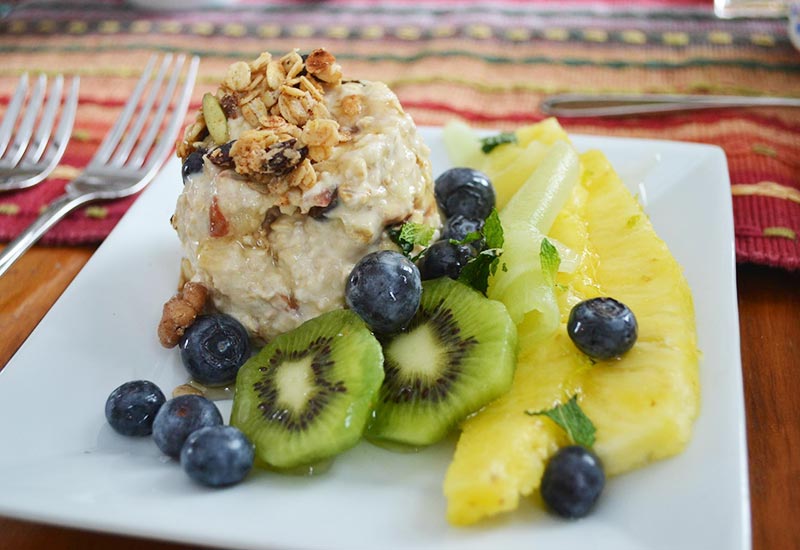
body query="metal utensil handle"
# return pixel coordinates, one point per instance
(57, 209)
(566, 105)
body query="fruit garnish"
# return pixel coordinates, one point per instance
(572, 482)
(410, 235)
(457, 354)
(444, 259)
(132, 407)
(602, 327)
(217, 456)
(384, 290)
(523, 287)
(478, 270)
(571, 418)
(464, 191)
(213, 349)
(309, 392)
(464, 230)
(489, 143)
(179, 417)
(643, 405)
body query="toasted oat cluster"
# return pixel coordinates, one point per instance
(291, 175)
(282, 101)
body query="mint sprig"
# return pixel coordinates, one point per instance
(477, 271)
(572, 420)
(489, 143)
(409, 235)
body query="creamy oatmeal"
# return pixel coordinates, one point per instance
(301, 174)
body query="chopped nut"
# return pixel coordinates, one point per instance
(179, 313)
(322, 64)
(238, 76)
(215, 118)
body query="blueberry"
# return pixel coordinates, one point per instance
(602, 328)
(443, 259)
(464, 191)
(458, 227)
(181, 416)
(131, 408)
(384, 289)
(217, 456)
(572, 481)
(192, 164)
(213, 348)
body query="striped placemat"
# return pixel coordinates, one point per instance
(489, 63)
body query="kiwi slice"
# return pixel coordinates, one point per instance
(309, 392)
(458, 353)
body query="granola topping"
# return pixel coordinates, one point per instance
(303, 170)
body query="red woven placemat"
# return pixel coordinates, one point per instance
(487, 63)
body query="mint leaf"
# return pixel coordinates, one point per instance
(550, 260)
(409, 235)
(476, 272)
(572, 419)
(489, 143)
(470, 237)
(493, 230)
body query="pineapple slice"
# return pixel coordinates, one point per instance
(643, 405)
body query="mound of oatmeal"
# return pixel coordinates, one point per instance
(294, 174)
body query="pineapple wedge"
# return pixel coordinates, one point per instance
(643, 405)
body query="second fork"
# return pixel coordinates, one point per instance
(27, 158)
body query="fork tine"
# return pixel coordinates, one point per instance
(25, 130)
(113, 136)
(61, 136)
(139, 155)
(144, 111)
(14, 107)
(46, 122)
(164, 147)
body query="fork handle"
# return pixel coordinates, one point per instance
(57, 209)
(575, 105)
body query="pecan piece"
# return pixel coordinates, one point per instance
(180, 312)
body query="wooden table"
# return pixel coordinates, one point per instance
(769, 312)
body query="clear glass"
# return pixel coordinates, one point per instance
(751, 8)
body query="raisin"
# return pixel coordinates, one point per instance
(221, 156)
(230, 106)
(284, 157)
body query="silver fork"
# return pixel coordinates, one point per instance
(24, 163)
(126, 161)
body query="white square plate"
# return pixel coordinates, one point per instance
(61, 462)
